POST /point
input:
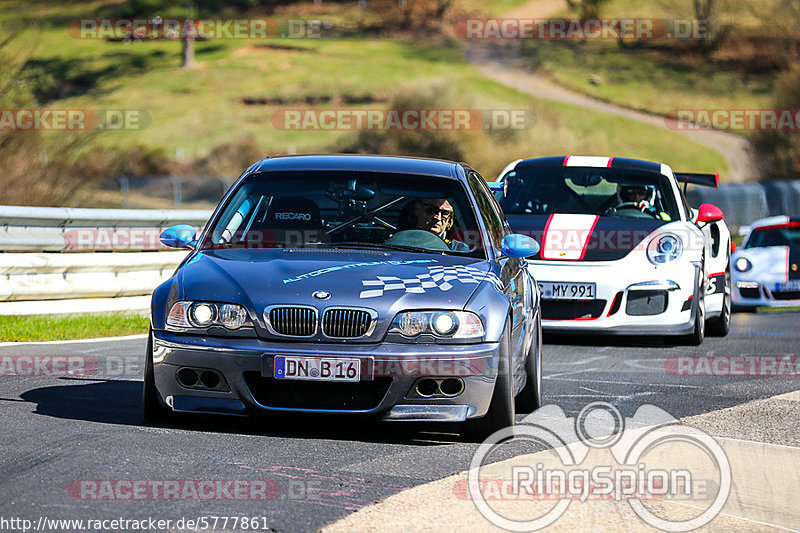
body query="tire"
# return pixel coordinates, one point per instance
(529, 398)
(698, 335)
(501, 409)
(719, 326)
(152, 408)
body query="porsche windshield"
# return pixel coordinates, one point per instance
(593, 191)
(297, 209)
(786, 235)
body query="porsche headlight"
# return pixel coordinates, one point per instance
(742, 264)
(205, 314)
(664, 249)
(442, 324)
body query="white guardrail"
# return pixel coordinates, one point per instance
(96, 271)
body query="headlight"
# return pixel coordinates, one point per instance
(442, 324)
(205, 314)
(202, 315)
(664, 249)
(742, 265)
(232, 316)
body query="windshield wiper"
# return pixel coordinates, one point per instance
(228, 245)
(382, 246)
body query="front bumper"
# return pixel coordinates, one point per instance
(389, 374)
(747, 293)
(631, 298)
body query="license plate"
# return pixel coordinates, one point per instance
(554, 290)
(317, 368)
(793, 285)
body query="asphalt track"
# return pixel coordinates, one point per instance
(61, 432)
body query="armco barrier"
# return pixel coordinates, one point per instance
(744, 203)
(36, 229)
(40, 283)
(33, 281)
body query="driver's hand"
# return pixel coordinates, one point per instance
(645, 207)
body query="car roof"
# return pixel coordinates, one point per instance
(590, 161)
(779, 220)
(360, 163)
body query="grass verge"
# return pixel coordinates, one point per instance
(52, 328)
(237, 86)
(662, 76)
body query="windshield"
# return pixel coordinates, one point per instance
(593, 191)
(348, 210)
(788, 235)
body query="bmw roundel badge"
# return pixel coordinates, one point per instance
(322, 295)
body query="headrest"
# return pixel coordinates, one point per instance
(293, 212)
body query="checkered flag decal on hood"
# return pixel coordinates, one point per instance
(437, 277)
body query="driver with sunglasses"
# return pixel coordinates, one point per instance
(436, 215)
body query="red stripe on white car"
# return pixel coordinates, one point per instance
(566, 237)
(587, 161)
(788, 253)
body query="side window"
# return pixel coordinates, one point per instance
(488, 207)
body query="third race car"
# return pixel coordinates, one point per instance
(766, 268)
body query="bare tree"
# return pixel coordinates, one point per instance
(587, 9)
(187, 39)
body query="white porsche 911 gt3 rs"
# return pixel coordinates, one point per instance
(621, 250)
(766, 268)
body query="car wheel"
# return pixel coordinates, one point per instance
(720, 326)
(152, 409)
(501, 409)
(529, 398)
(696, 337)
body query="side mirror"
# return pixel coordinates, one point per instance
(709, 213)
(497, 186)
(517, 245)
(180, 236)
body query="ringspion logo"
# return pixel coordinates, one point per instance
(599, 455)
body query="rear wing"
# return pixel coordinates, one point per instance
(706, 180)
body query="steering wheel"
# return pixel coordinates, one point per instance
(418, 238)
(632, 207)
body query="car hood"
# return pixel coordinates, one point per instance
(584, 237)
(386, 282)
